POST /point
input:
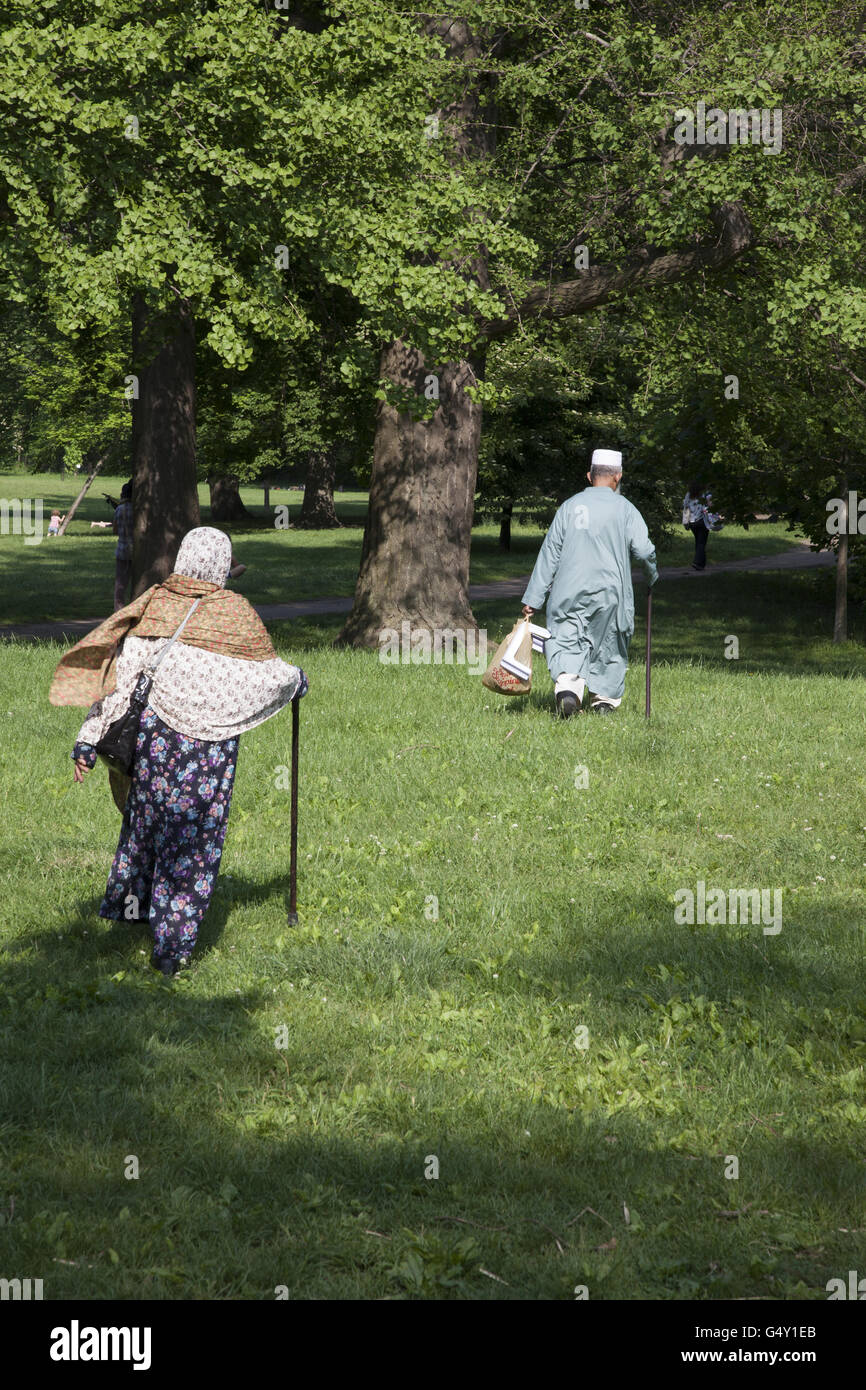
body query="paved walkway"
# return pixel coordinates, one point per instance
(798, 559)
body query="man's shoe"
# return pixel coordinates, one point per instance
(566, 704)
(603, 708)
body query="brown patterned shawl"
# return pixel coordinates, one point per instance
(223, 622)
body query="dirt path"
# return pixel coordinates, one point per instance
(798, 559)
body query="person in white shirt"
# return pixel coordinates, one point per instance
(698, 519)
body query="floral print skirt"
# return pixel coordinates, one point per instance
(171, 841)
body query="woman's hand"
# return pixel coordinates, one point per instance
(79, 769)
(527, 611)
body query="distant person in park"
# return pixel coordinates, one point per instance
(122, 527)
(55, 521)
(698, 519)
(585, 567)
(221, 678)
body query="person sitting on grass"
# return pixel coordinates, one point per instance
(221, 678)
(585, 567)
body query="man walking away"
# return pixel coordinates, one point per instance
(122, 527)
(584, 566)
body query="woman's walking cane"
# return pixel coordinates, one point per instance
(649, 632)
(293, 850)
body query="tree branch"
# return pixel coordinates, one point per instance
(850, 179)
(647, 269)
(848, 372)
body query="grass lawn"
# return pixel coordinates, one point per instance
(73, 577)
(466, 907)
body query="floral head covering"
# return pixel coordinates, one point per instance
(205, 553)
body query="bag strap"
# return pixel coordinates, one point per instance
(151, 669)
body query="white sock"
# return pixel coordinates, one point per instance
(605, 700)
(575, 684)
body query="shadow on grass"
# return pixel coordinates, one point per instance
(235, 1199)
(73, 576)
(783, 623)
(713, 959)
(124, 939)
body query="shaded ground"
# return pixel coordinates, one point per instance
(57, 581)
(799, 558)
(411, 1033)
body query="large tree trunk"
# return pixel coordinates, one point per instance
(415, 560)
(225, 499)
(164, 486)
(318, 512)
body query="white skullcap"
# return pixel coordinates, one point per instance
(607, 460)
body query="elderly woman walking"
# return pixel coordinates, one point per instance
(220, 677)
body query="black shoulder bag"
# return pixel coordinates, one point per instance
(116, 748)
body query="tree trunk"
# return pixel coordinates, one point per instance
(318, 512)
(225, 499)
(415, 559)
(82, 494)
(505, 526)
(840, 620)
(164, 485)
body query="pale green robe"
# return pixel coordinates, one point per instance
(585, 567)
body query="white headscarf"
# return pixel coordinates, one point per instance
(205, 553)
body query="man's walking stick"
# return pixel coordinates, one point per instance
(293, 851)
(649, 636)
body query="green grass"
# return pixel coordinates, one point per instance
(731, 543)
(409, 1037)
(73, 577)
